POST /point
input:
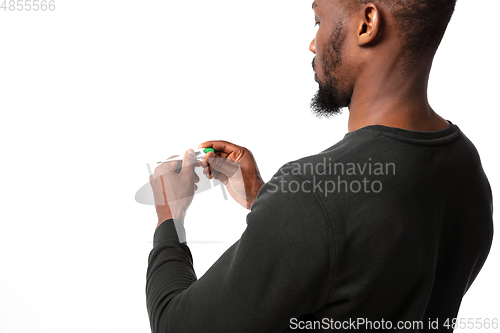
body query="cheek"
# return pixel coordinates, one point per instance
(318, 57)
(322, 42)
(319, 42)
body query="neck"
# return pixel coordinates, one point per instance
(386, 95)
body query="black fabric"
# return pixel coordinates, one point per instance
(404, 251)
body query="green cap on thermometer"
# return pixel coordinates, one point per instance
(207, 150)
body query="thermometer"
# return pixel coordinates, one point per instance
(198, 154)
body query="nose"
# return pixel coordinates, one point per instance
(312, 46)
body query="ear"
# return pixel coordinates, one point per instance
(370, 23)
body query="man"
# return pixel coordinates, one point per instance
(385, 230)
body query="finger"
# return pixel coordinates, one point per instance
(209, 144)
(196, 178)
(174, 165)
(167, 167)
(188, 163)
(223, 147)
(211, 155)
(203, 163)
(224, 165)
(211, 173)
(214, 174)
(208, 172)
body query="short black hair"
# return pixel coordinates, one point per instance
(421, 23)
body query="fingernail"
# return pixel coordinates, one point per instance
(199, 146)
(211, 157)
(191, 152)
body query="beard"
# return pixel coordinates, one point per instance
(331, 96)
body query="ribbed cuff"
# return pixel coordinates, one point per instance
(170, 230)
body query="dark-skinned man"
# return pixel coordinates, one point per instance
(385, 230)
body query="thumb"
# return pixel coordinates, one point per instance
(188, 162)
(223, 165)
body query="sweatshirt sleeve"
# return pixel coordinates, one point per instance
(279, 269)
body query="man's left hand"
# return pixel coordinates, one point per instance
(173, 191)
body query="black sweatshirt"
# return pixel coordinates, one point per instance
(384, 227)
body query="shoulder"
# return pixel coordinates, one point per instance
(290, 196)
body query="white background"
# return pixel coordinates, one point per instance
(93, 90)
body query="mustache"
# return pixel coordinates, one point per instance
(314, 70)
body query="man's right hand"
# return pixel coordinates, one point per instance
(236, 168)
